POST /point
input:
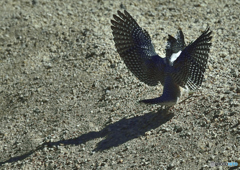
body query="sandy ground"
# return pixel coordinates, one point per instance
(67, 101)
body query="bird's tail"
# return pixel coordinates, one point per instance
(170, 96)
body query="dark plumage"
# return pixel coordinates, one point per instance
(183, 65)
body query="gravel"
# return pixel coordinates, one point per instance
(67, 100)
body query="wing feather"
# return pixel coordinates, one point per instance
(136, 49)
(190, 66)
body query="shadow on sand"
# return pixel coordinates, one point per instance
(115, 134)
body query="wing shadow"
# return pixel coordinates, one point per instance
(115, 134)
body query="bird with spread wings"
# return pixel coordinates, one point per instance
(183, 66)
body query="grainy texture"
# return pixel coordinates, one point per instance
(67, 101)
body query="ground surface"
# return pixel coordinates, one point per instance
(67, 100)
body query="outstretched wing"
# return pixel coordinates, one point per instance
(135, 48)
(190, 66)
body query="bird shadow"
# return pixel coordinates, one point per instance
(115, 134)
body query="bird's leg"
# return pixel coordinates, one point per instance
(187, 98)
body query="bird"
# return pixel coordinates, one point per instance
(183, 66)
